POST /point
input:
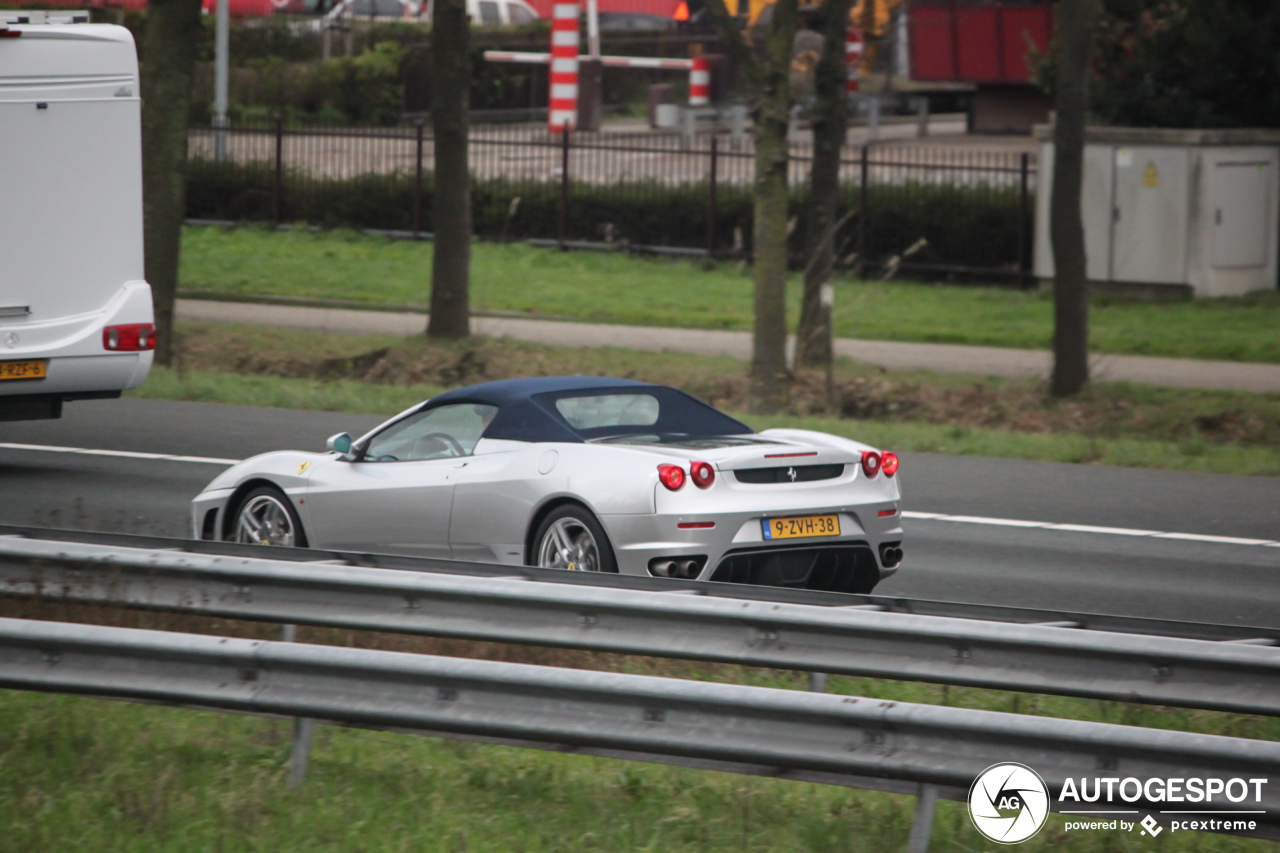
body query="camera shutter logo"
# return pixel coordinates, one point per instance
(1008, 803)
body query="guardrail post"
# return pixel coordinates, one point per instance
(817, 682)
(277, 189)
(711, 198)
(922, 823)
(300, 753)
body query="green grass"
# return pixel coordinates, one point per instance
(347, 395)
(92, 775)
(614, 288)
(87, 774)
(342, 395)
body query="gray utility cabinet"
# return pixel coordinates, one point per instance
(1190, 208)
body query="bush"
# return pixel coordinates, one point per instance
(964, 225)
(356, 90)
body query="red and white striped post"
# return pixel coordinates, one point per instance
(700, 82)
(562, 106)
(852, 59)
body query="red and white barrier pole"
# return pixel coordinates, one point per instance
(562, 106)
(610, 61)
(700, 82)
(852, 59)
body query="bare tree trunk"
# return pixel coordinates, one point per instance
(769, 385)
(1077, 20)
(830, 123)
(168, 71)
(451, 211)
(768, 82)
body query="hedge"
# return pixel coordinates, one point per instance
(964, 225)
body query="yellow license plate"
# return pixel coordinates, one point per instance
(22, 369)
(801, 527)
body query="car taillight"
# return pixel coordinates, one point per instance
(870, 463)
(672, 476)
(889, 464)
(131, 337)
(702, 474)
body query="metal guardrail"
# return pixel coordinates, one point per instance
(777, 595)
(837, 739)
(1230, 676)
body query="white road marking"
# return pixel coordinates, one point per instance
(1114, 531)
(1086, 528)
(126, 454)
(1226, 540)
(919, 516)
(977, 519)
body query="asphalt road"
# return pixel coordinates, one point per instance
(1137, 576)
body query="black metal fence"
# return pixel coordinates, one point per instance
(937, 208)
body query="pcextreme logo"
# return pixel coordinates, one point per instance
(1008, 803)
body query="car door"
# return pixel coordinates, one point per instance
(381, 507)
(396, 497)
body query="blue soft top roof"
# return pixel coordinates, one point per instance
(527, 411)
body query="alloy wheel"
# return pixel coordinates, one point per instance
(265, 520)
(568, 544)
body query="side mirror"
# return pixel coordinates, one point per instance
(340, 443)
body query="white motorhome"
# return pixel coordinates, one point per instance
(76, 318)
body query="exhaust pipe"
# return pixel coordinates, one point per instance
(662, 568)
(687, 569)
(890, 555)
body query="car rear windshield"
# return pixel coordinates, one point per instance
(604, 413)
(609, 410)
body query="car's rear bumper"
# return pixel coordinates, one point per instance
(640, 539)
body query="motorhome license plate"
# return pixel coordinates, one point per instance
(23, 369)
(801, 527)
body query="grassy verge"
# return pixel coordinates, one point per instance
(85, 774)
(614, 288)
(1226, 432)
(145, 778)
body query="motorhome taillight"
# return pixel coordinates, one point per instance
(130, 337)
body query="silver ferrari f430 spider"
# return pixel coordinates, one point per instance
(580, 473)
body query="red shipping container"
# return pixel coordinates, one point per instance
(963, 42)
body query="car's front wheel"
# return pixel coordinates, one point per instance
(571, 538)
(265, 516)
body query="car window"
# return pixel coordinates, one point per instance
(609, 410)
(519, 14)
(489, 13)
(440, 433)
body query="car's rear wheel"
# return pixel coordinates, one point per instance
(265, 516)
(571, 538)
